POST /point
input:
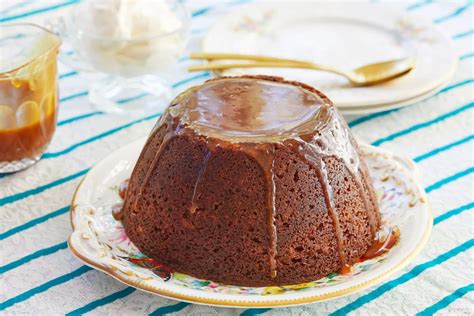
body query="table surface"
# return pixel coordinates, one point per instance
(39, 275)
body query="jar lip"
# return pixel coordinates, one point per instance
(184, 26)
(55, 46)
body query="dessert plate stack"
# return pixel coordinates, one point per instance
(345, 36)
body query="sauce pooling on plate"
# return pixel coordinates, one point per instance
(383, 245)
(117, 209)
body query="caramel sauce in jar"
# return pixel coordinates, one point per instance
(26, 126)
(28, 106)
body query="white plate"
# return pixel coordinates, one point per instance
(360, 110)
(344, 35)
(100, 241)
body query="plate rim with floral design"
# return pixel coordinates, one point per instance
(88, 220)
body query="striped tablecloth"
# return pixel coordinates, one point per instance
(40, 276)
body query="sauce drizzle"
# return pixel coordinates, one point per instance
(380, 247)
(117, 209)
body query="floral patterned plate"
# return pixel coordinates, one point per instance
(100, 241)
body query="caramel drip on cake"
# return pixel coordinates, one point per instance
(328, 196)
(168, 136)
(264, 154)
(117, 211)
(272, 226)
(362, 183)
(373, 221)
(267, 164)
(194, 206)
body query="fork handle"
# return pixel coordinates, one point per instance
(267, 64)
(218, 56)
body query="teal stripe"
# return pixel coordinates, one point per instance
(44, 287)
(87, 115)
(186, 80)
(463, 34)
(413, 273)
(34, 222)
(34, 12)
(456, 12)
(423, 125)
(452, 178)
(67, 74)
(8, 38)
(466, 56)
(200, 12)
(205, 10)
(170, 309)
(97, 137)
(443, 148)
(369, 117)
(454, 86)
(73, 96)
(20, 196)
(105, 300)
(199, 31)
(34, 255)
(15, 6)
(366, 118)
(79, 117)
(130, 99)
(419, 5)
(74, 73)
(449, 214)
(255, 311)
(447, 300)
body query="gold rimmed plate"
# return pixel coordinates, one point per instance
(100, 241)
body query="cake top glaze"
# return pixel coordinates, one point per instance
(246, 109)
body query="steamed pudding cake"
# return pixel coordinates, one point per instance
(251, 181)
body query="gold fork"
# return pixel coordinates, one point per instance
(362, 76)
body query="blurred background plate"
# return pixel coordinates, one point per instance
(360, 110)
(344, 35)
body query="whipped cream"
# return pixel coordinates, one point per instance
(129, 37)
(131, 19)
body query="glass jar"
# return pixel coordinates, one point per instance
(28, 94)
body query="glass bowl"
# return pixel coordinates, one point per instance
(132, 45)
